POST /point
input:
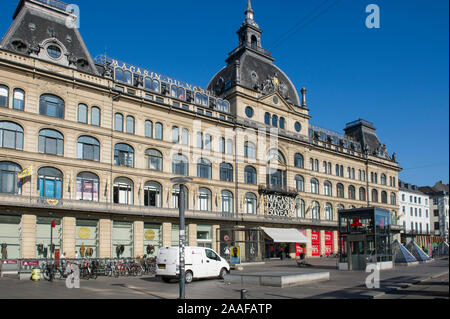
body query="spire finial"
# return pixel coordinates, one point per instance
(249, 6)
(249, 12)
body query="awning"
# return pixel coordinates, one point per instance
(281, 235)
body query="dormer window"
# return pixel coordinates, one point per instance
(54, 51)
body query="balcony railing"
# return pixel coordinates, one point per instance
(14, 201)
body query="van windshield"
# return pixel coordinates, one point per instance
(211, 255)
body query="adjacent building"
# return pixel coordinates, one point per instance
(439, 206)
(91, 145)
(414, 213)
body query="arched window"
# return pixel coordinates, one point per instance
(159, 131)
(340, 190)
(18, 100)
(118, 122)
(204, 168)
(362, 194)
(299, 161)
(351, 192)
(204, 199)
(300, 208)
(154, 160)
(328, 188)
(88, 149)
(11, 135)
(123, 191)
(50, 182)
(250, 175)
(282, 123)
(156, 86)
(314, 186)
(119, 75)
(328, 211)
(275, 121)
(340, 207)
(95, 116)
(226, 172)
(375, 196)
(51, 105)
(149, 129)
(176, 196)
(82, 114)
(384, 197)
(4, 96)
(174, 91)
(9, 182)
(124, 155)
(130, 125)
(128, 78)
(180, 165)
(300, 183)
(227, 202)
(175, 134)
(148, 83)
(249, 150)
(198, 98)
(152, 194)
(393, 199)
(51, 142)
(254, 42)
(181, 93)
(250, 203)
(315, 211)
(87, 187)
(267, 118)
(383, 179)
(275, 156)
(185, 136)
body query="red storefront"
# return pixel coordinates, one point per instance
(315, 243)
(328, 243)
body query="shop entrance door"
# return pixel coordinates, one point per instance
(357, 253)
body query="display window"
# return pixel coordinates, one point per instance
(10, 237)
(87, 238)
(152, 239)
(45, 236)
(123, 239)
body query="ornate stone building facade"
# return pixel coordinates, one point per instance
(93, 143)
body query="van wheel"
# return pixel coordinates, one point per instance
(166, 279)
(189, 277)
(223, 273)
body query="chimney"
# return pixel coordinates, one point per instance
(303, 91)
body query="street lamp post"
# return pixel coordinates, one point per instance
(182, 181)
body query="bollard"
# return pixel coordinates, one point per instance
(243, 294)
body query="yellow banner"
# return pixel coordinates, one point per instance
(25, 173)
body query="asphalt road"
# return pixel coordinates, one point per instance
(395, 284)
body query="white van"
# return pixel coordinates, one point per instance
(199, 263)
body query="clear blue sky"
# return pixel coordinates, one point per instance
(396, 76)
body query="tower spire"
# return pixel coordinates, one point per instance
(249, 13)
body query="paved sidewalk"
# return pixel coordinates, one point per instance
(342, 285)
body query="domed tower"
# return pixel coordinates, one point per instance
(251, 79)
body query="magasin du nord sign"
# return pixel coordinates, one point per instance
(146, 73)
